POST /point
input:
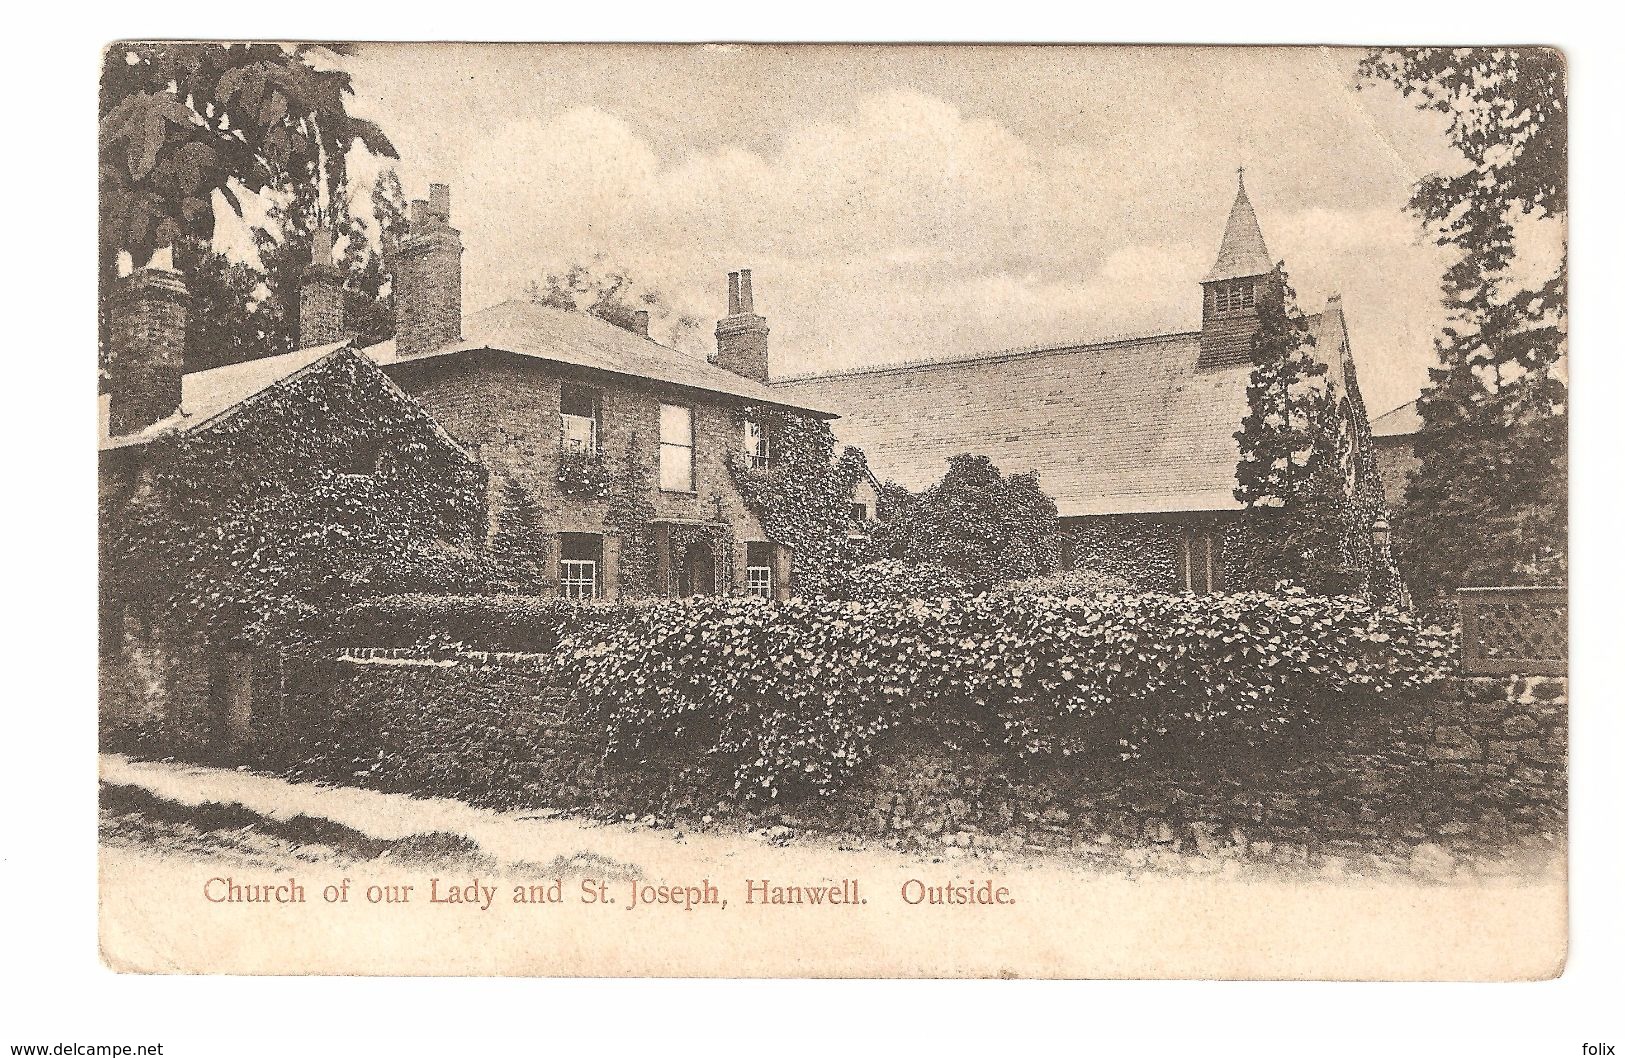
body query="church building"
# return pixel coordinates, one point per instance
(1133, 437)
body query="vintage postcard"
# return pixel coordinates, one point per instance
(833, 511)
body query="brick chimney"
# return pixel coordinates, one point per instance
(428, 278)
(321, 294)
(640, 323)
(742, 335)
(148, 349)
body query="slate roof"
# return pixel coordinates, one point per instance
(528, 329)
(205, 395)
(1128, 426)
(523, 328)
(1242, 252)
(1400, 422)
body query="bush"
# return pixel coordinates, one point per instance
(527, 623)
(894, 579)
(789, 698)
(1077, 583)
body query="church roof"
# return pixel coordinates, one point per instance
(1127, 426)
(1242, 252)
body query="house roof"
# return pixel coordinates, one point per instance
(1242, 251)
(1127, 426)
(1400, 422)
(528, 329)
(520, 327)
(205, 395)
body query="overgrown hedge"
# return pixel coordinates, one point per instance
(528, 623)
(789, 697)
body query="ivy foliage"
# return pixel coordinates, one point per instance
(329, 486)
(522, 544)
(784, 700)
(1300, 523)
(629, 516)
(803, 496)
(1489, 502)
(583, 474)
(983, 525)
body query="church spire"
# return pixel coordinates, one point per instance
(1242, 252)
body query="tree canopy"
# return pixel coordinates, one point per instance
(976, 521)
(611, 294)
(1488, 503)
(186, 126)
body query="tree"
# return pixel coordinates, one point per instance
(1488, 503)
(975, 521)
(612, 295)
(184, 125)
(232, 316)
(1298, 520)
(284, 245)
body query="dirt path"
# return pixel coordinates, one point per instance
(184, 835)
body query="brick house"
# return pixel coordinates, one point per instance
(1133, 436)
(268, 427)
(567, 410)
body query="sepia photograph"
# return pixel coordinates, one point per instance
(833, 511)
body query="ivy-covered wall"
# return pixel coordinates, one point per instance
(249, 532)
(1144, 551)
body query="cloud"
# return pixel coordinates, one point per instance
(886, 220)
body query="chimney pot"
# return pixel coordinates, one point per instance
(742, 335)
(427, 277)
(440, 201)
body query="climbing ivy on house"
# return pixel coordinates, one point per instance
(583, 474)
(521, 541)
(803, 496)
(326, 487)
(984, 525)
(628, 518)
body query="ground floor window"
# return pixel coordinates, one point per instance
(580, 559)
(1198, 557)
(759, 569)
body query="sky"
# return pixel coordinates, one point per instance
(903, 202)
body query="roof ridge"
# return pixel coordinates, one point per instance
(1037, 349)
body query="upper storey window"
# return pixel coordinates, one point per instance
(676, 448)
(757, 449)
(1234, 296)
(578, 417)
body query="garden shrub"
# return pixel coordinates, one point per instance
(523, 623)
(892, 578)
(788, 698)
(1076, 583)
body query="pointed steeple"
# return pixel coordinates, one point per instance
(1242, 253)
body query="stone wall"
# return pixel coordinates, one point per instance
(1475, 768)
(1480, 766)
(487, 728)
